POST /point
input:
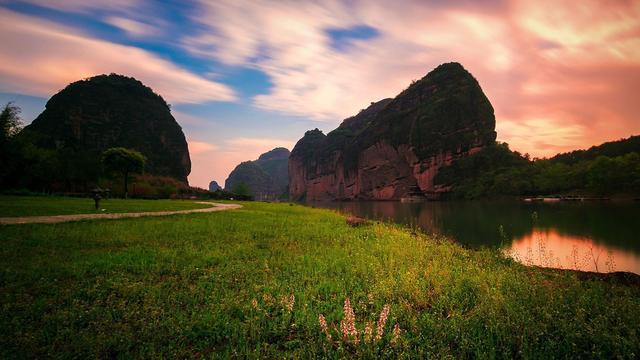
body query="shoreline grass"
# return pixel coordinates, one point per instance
(18, 206)
(253, 282)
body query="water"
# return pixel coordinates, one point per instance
(588, 236)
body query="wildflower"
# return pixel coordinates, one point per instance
(267, 298)
(382, 321)
(288, 301)
(368, 332)
(254, 303)
(323, 326)
(292, 301)
(348, 323)
(396, 335)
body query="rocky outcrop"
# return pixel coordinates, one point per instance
(92, 115)
(266, 178)
(213, 186)
(395, 147)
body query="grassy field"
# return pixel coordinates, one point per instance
(257, 281)
(12, 206)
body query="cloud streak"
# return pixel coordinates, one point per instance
(42, 57)
(562, 69)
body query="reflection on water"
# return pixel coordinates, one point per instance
(549, 248)
(573, 235)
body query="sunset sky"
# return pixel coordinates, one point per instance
(245, 77)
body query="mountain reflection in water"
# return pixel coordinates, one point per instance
(564, 234)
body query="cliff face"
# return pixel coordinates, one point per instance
(266, 177)
(395, 147)
(90, 116)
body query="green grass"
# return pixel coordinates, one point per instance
(210, 285)
(12, 206)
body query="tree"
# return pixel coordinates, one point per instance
(241, 189)
(10, 121)
(10, 125)
(123, 161)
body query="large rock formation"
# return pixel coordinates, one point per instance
(266, 178)
(213, 186)
(92, 115)
(395, 147)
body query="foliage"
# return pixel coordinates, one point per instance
(241, 189)
(10, 122)
(146, 186)
(123, 161)
(265, 178)
(445, 111)
(496, 171)
(253, 282)
(609, 149)
(90, 116)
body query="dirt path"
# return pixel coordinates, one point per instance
(75, 217)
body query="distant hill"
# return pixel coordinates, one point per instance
(92, 115)
(610, 149)
(266, 177)
(610, 169)
(213, 186)
(396, 147)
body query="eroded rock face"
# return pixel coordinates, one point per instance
(92, 115)
(395, 147)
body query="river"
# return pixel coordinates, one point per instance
(588, 236)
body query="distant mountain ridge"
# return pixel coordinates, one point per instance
(266, 177)
(395, 147)
(611, 149)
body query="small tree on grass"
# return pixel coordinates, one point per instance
(123, 161)
(241, 189)
(10, 122)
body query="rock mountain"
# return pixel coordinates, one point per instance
(395, 147)
(266, 178)
(92, 115)
(213, 186)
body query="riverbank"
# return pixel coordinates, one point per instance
(262, 280)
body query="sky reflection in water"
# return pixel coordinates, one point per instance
(563, 235)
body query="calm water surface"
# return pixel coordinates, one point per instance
(590, 236)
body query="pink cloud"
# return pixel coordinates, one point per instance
(198, 147)
(132, 27)
(44, 57)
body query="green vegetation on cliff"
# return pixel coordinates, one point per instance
(61, 149)
(264, 178)
(445, 111)
(254, 282)
(612, 168)
(444, 115)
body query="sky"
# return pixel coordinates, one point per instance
(244, 77)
